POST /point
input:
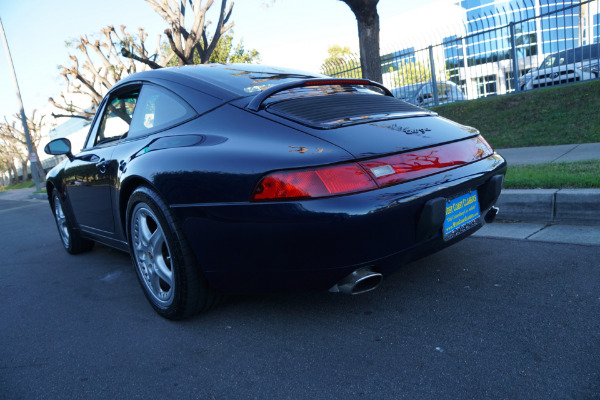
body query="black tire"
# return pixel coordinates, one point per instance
(165, 265)
(70, 237)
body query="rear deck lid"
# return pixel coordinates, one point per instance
(360, 116)
(389, 136)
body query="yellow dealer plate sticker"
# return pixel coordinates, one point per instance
(461, 214)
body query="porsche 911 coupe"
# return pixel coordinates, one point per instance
(226, 179)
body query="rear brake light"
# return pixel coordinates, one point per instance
(417, 164)
(370, 174)
(323, 82)
(327, 181)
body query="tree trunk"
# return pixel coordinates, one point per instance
(367, 19)
(40, 171)
(15, 174)
(25, 170)
(39, 168)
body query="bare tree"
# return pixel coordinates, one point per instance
(367, 19)
(100, 70)
(7, 160)
(15, 141)
(102, 65)
(9, 152)
(184, 43)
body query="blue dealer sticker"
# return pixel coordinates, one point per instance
(461, 212)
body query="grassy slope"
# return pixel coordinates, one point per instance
(557, 115)
(582, 174)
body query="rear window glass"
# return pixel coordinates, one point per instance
(313, 91)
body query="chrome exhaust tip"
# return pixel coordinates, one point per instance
(360, 281)
(490, 216)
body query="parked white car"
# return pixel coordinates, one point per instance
(421, 94)
(573, 65)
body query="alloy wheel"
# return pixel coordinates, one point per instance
(61, 221)
(152, 255)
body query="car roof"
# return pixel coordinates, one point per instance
(416, 85)
(226, 81)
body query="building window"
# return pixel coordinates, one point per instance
(486, 85)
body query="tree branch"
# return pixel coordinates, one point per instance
(126, 53)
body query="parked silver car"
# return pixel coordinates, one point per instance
(573, 65)
(421, 94)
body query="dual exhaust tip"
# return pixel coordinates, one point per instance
(360, 281)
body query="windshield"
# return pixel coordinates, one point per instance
(405, 92)
(552, 60)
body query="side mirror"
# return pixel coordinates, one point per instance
(59, 147)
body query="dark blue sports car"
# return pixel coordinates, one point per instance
(224, 179)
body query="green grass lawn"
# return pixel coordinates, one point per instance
(582, 174)
(568, 114)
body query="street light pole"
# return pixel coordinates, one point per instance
(32, 155)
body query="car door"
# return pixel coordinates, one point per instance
(91, 177)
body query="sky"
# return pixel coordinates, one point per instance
(287, 33)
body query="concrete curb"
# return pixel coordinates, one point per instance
(39, 196)
(566, 206)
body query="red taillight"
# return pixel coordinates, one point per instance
(417, 164)
(370, 174)
(328, 181)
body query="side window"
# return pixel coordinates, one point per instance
(117, 117)
(427, 91)
(157, 109)
(443, 91)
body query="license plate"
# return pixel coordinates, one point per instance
(461, 214)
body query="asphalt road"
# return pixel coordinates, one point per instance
(485, 319)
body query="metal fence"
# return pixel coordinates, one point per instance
(546, 43)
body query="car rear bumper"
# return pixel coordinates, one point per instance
(313, 244)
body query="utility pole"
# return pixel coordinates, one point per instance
(32, 155)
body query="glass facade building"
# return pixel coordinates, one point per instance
(536, 28)
(490, 47)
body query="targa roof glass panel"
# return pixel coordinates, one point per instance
(246, 79)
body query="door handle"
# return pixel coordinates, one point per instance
(101, 165)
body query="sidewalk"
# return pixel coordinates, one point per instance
(570, 206)
(548, 215)
(23, 194)
(543, 154)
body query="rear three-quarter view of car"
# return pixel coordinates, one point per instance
(226, 179)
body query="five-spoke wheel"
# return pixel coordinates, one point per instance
(152, 254)
(164, 263)
(71, 238)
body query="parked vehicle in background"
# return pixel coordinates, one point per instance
(573, 65)
(421, 94)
